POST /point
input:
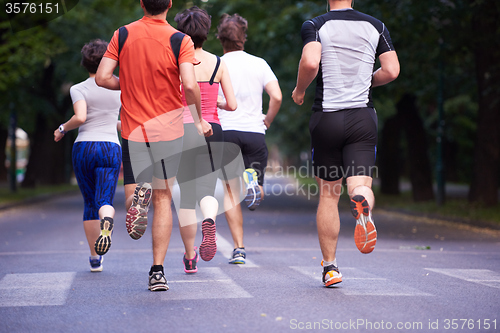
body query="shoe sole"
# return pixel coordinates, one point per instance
(333, 281)
(253, 196)
(208, 246)
(158, 288)
(237, 261)
(93, 270)
(137, 214)
(365, 234)
(103, 242)
(98, 269)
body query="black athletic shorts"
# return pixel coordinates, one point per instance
(343, 143)
(142, 160)
(200, 164)
(253, 148)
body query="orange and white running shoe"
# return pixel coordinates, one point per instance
(365, 234)
(331, 275)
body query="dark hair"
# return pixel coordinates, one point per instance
(92, 54)
(232, 31)
(155, 7)
(196, 23)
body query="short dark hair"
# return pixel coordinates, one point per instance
(232, 31)
(92, 54)
(196, 23)
(155, 7)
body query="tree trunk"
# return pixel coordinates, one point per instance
(390, 156)
(484, 187)
(46, 164)
(3, 141)
(420, 169)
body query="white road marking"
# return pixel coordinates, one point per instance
(260, 249)
(355, 283)
(226, 249)
(209, 283)
(35, 289)
(480, 276)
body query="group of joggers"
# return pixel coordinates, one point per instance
(189, 116)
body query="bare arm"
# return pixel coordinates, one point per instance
(193, 99)
(388, 71)
(104, 76)
(80, 116)
(274, 91)
(227, 88)
(308, 69)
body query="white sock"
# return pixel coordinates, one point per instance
(95, 257)
(328, 263)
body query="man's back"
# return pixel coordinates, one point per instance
(350, 42)
(149, 79)
(249, 75)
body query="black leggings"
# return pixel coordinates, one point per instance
(199, 166)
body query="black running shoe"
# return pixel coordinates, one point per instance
(103, 242)
(157, 282)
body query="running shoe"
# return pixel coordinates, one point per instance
(137, 214)
(253, 196)
(331, 275)
(157, 282)
(190, 264)
(96, 264)
(103, 242)
(239, 256)
(365, 234)
(208, 246)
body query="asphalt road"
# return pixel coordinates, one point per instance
(423, 276)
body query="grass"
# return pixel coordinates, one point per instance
(6, 196)
(455, 208)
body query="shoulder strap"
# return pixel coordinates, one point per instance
(175, 42)
(122, 37)
(215, 70)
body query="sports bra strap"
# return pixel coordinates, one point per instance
(215, 71)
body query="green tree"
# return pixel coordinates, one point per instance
(39, 65)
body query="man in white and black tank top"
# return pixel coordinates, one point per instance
(340, 49)
(244, 129)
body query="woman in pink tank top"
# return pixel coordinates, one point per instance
(201, 156)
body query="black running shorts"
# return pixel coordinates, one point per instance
(142, 160)
(200, 164)
(253, 148)
(344, 143)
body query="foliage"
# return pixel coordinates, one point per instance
(432, 37)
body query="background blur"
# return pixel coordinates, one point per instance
(438, 122)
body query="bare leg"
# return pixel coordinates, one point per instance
(129, 195)
(365, 233)
(188, 226)
(92, 231)
(327, 217)
(162, 218)
(209, 207)
(361, 185)
(106, 210)
(233, 213)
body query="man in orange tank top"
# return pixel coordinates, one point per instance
(153, 59)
